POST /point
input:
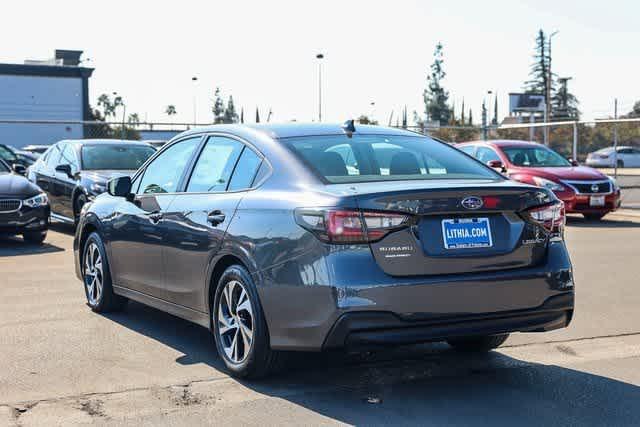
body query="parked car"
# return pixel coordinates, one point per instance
(24, 208)
(628, 157)
(294, 237)
(35, 149)
(75, 171)
(583, 189)
(11, 156)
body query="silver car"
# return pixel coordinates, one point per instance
(626, 156)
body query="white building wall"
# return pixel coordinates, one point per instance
(39, 98)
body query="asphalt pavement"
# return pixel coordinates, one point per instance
(61, 364)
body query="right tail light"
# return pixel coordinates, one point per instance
(551, 217)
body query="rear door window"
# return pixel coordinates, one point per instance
(245, 170)
(215, 165)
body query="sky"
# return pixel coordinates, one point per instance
(264, 52)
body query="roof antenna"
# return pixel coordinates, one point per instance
(349, 127)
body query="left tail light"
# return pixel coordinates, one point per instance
(349, 226)
(551, 217)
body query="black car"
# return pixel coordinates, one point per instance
(11, 156)
(24, 208)
(311, 237)
(75, 171)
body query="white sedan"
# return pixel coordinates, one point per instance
(607, 158)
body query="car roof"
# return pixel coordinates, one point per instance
(104, 141)
(505, 143)
(289, 130)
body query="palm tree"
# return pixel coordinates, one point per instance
(170, 110)
(134, 119)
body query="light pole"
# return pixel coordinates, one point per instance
(194, 79)
(319, 57)
(547, 98)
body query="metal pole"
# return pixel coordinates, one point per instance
(532, 130)
(615, 140)
(194, 80)
(124, 112)
(484, 121)
(575, 141)
(319, 57)
(547, 98)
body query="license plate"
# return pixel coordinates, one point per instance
(596, 201)
(466, 233)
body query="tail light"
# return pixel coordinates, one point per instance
(551, 217)
(347, 226)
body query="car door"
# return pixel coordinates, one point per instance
(45, 175)
(634, 158)
(64, 184)
(137, 229)
(198, 218)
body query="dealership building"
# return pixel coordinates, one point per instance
(37, 94)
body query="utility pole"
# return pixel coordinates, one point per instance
(484, 121)
(615, 139)
(320, 56)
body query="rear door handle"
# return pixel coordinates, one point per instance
(216, 217)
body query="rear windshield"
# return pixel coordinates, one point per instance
(368, 158)
(535, 157)
(124, 157)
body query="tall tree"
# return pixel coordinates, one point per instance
(495, 111)
(134, 119)
(470, 117)
(539, 72)
(404, 117)
(242, 115)
(462, 113)
(218, 107)
(108, 108)
(435, 96)
(257, 115)
(564, 104)
(230, 115)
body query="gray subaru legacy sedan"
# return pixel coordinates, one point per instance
(309, 237)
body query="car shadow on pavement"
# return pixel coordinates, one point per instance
(580, 222)
(428, 384)
(62, 227)
(15, 246)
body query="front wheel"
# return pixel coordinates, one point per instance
(239, 326)
(478, 344)
(97, 278)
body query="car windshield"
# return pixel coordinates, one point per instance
(122, 157)
(369, 158)
(535, 157)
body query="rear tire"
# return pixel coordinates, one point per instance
(34, 237)
(593, 216)
(478, 344)
(97, 277)
(239, 327)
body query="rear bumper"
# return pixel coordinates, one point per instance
(360, 304)
(371, 329)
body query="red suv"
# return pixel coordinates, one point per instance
(582, 189)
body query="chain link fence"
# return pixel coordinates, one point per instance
(571, 139)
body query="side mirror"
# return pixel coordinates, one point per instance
(497, 164)
(19, 169)
(65, 169)
(573, 162)
(120, 186)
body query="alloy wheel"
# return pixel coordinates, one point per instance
(93, 274)
(235, 321)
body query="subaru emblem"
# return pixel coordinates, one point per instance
(594, 188)
(472, 202)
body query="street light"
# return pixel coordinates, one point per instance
(124, 112)
(194, 79)
(319, 57)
